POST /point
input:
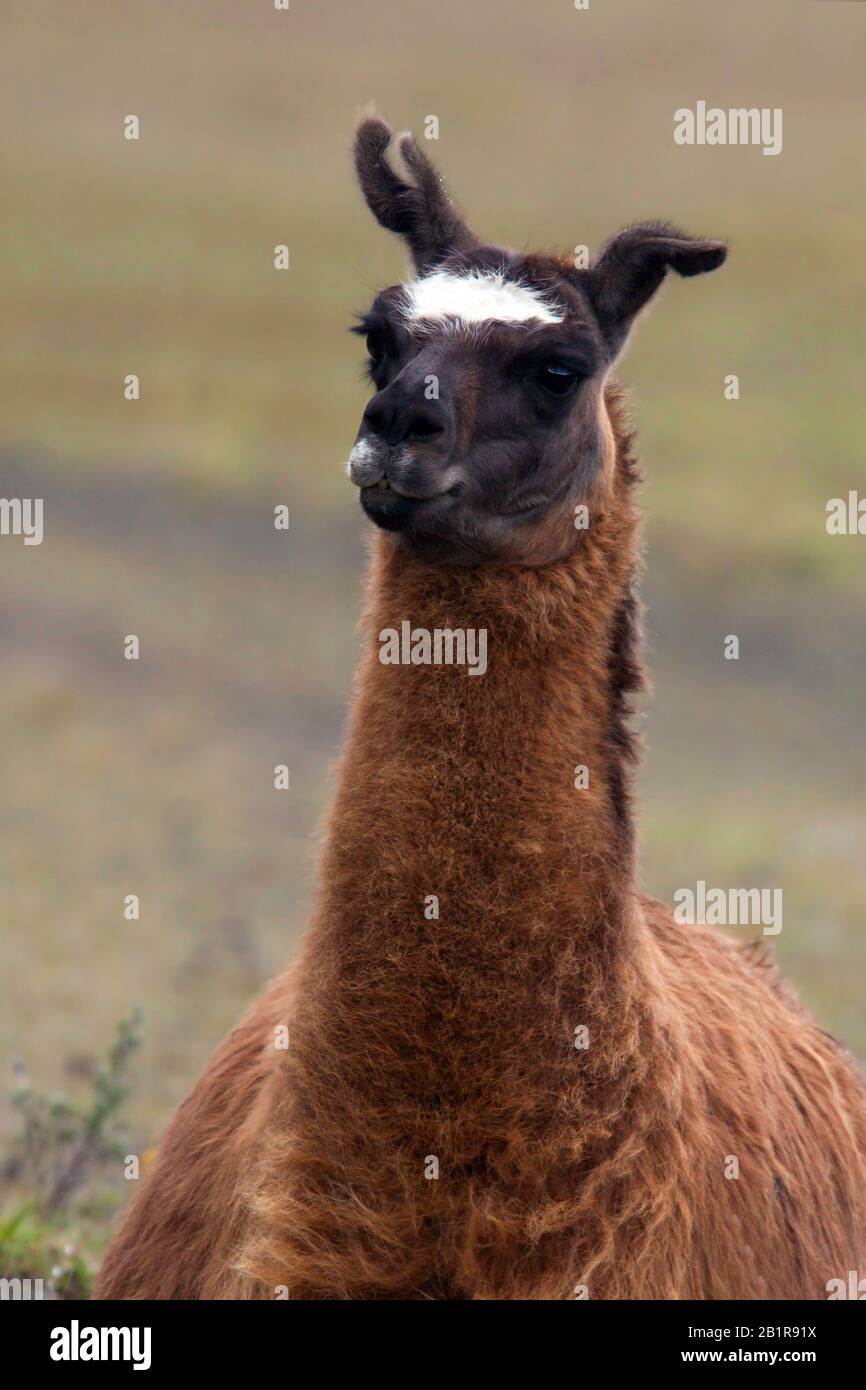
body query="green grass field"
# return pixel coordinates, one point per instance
(156, 258)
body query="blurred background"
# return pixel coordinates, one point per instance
(155, 257)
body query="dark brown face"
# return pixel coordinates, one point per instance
(479, 425)
(488, 420)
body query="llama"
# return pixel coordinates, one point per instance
(509, 1074)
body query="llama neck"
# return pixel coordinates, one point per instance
(499, 797)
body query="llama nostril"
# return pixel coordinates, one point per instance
(422, 431)
(395, 417)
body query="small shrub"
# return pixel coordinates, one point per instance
(62, 1148)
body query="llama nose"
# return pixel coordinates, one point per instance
(400, 419)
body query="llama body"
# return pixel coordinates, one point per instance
(550, 1086)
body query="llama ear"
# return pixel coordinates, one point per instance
(630, 267)
(420, 211)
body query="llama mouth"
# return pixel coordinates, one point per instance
(393, 510)
(383, 485)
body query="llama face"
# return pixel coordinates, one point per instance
(488, 424)
(486, 414)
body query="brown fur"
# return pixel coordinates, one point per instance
(454, 1038)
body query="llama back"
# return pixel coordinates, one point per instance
(777, 1130)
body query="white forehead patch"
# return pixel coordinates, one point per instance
(476, 298)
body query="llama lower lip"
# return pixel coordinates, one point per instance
(393, 510)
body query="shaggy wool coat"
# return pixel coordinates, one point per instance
(549, 1090)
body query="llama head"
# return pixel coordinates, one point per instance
(488, 425)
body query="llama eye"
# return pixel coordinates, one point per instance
(556, 377)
